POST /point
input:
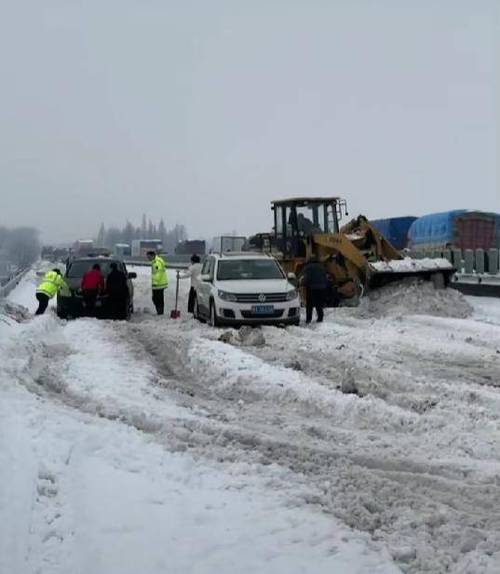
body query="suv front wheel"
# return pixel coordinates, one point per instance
(213, 319)
(196, 311)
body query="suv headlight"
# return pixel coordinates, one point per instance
(226, 296)
(291, 295)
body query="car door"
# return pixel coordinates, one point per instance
(204, 288)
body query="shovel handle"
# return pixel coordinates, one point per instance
(177, 290)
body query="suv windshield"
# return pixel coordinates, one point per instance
(77, 269)
(233, 269)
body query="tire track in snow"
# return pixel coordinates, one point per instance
(424, 511)
(442, 510)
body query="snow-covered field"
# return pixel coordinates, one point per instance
(367, 444)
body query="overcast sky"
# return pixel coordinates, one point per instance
(203, 111)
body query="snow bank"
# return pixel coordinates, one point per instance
(140, 434)
(82, 489)
(84, 494)
(413, 297)
(12, 312)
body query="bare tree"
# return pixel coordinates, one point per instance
(20, 245)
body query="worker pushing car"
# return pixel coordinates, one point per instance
(159, 280)
(51, 284)
(92, 285)
(117, 291)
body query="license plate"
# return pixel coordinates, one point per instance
(262, 309)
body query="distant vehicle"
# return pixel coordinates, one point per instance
(70, 301)
(141, 246)
(83, 247)
(228, 243)
(245, 288)
(122, 250)
(191, 247)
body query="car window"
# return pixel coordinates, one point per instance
(211, 267)
(234, 269)
(77, 269)
(205, 270)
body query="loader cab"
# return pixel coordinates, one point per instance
(295, 220)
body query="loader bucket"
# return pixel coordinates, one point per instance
(383, 272)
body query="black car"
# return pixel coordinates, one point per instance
(70, 300)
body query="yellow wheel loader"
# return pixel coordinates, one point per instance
(356, 256)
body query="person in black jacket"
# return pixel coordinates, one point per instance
(117, 290)
(315, 280)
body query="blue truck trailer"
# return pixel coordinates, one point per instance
(460, 228)
(394, 229)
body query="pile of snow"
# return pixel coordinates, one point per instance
(12, 312)
(244, 337)
(414, 297)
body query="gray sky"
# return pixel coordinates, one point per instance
(203, 111)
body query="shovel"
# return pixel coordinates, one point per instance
(175, 313)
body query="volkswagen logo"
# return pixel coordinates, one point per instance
(262, 298)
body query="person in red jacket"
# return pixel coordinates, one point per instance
(92, 285)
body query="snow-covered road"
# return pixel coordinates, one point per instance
(152, 446)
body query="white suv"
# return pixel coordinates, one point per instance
(245, 288)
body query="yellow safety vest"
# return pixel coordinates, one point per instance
(51, 284)
(159, 279)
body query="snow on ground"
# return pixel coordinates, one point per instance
(369, 443)
(104, 470)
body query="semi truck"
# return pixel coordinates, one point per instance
(140, 247)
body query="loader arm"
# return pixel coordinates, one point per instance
(368, 239)
(325, 246)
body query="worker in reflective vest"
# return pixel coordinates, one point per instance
(51, 284)
(159, 280)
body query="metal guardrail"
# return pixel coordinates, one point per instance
(478, 270)
(480, 285)
(466, 261)
(145, 263)
(12, 283)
